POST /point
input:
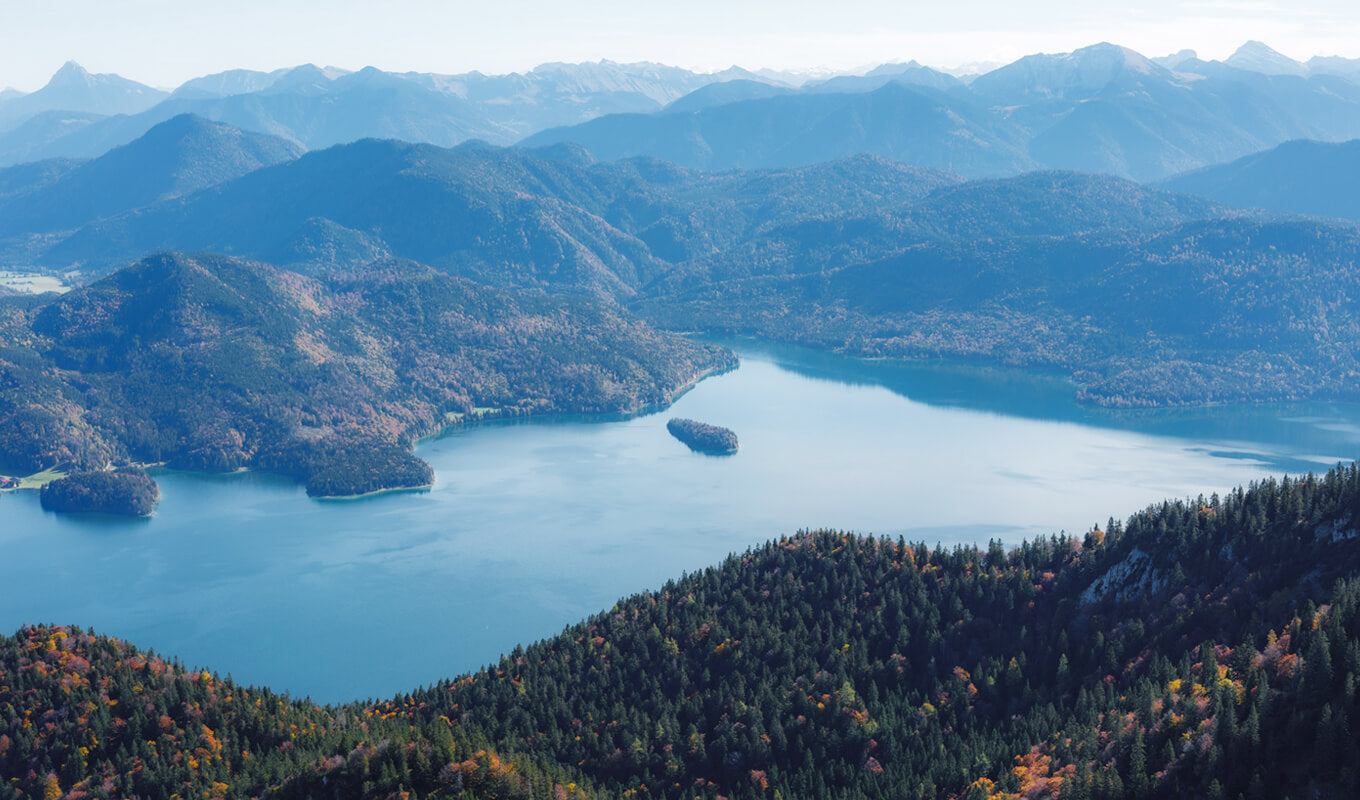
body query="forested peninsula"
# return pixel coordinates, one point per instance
(203, 362)
(1201, 648)
(127, 492)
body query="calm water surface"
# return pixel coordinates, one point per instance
(531, 527)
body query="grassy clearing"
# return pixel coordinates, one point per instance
(40, 479)
(31, 282)
(476, 413)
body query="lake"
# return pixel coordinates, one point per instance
(533, 526)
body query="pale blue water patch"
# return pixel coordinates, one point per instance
(530, 527)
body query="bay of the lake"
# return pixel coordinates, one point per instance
(533, 526)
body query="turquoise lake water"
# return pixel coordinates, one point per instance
(533, 526)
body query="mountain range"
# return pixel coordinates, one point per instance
(79, 115)
(1100, 109)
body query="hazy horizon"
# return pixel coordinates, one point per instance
(163, 43)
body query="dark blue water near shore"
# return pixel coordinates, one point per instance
(530, 527)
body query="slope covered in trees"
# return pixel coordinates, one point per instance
(87, 716)
(212, 363)
(1144, 297)
(1202, 648)
(1303, 177)
(1219, 311)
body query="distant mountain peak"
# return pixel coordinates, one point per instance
(894, 68)
(1113, 55)
(1257, 56)
(1175, 60)
(70, 72)
(1075, 74)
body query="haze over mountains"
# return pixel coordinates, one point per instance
(1302, 177)
(1099, 109)
(82, 115)
(1102, 108)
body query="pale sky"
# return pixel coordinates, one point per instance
(165, 42)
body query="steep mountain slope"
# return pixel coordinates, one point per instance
(326, 381)
(482, 213)
(1204, 648)
(1302, 177)
(176, 158)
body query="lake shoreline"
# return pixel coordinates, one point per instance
(530, 527)
(466, 423)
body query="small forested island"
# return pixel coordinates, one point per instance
(130, 492)
(702, 437)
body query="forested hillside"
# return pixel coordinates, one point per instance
(87, 716)
(1303, 177)
(1202, 648)
(1144, 297)
(329, 380)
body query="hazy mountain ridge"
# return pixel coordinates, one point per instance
(1303, 177)
(1098, 109)
(316, 107)
(915, 124)
(174, 159)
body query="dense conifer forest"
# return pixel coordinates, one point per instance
(1206, 647)
(126, 491)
